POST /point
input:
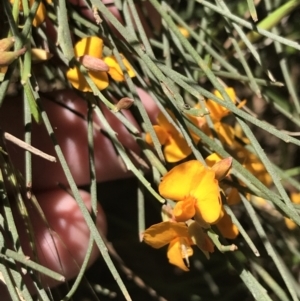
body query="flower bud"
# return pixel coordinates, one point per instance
(6, 44)
(93, 63)
(39, 55)
(7, 57)
(222, 168)
(184, 31)
(124, 104)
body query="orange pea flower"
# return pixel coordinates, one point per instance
(217, 112)
(89, 51)
(174, 234)
(196, 191)
(175, 146)
(253, 164)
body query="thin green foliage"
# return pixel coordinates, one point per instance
(193, 49)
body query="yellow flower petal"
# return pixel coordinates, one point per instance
(184, 210)
(115, 70)
(230, 91)
(129, 68)
(99, 78)
(161, 234)
(78, 81)
(183, 31)
(290, 223)
(40, 14)
(295, 197)
(208, 204)
(212, 159)
(225, 133)
(161, 134)
(164, 122)
(175, 253)
(176, 148)
(226, 227)
(217, 112)
(181, 180)
(90, 45)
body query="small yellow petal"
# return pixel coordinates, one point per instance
(242, 103)
(180, 180)
(183, 31)
(40, 14)
(78, 81)
(226, 227)
(176, 148)
(230, 91)
(208, 204)
(115, 70)
(165, 123)
(90, 45)
(290, 224)
(225, 133)
(217, 111)
(184, 210)
(295, 197)
(161, 234)
(99, 78)
(129, 68)
(212, 159)
(161, 134)
(175, 254)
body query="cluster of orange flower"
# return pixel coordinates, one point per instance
(88, 51)
(196, 188)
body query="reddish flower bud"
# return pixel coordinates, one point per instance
(93, 63)
(222, 168)
(123, 104)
